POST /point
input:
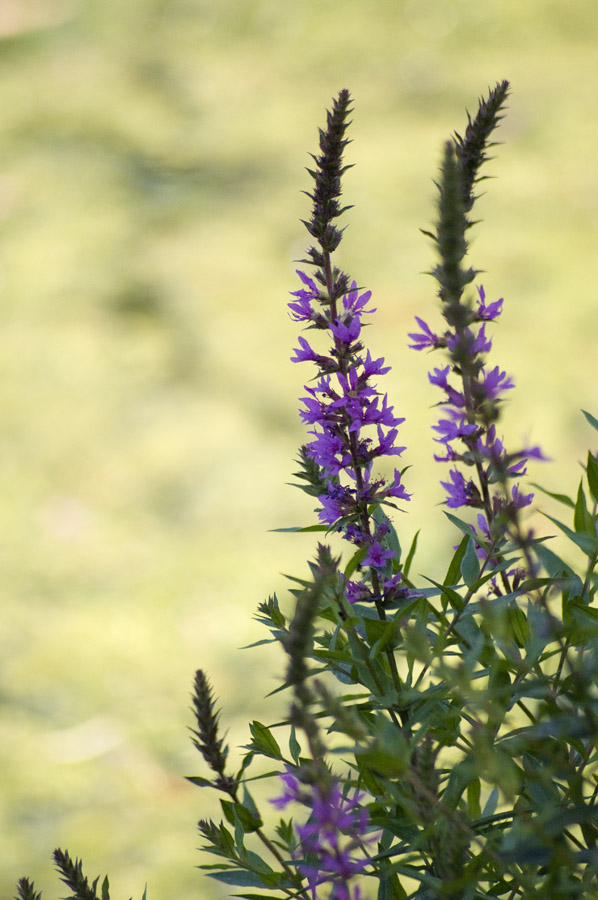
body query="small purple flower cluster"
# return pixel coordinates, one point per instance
(466, 430)
(340, 407)
(329, 858)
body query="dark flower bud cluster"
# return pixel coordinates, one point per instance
(327, 189)
(471, 150)
(205, 737)
(332, 841)
(71, 873)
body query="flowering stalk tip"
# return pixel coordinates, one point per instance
(205, 737)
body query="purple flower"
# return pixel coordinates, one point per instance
(460, 492)
(335, 503)
(466, 343)
(386, 443)
(425, 339)
(334, 836)
(328, 451)
(491, 311)
(347, 332)
(520, 500)
(466, 427)
(302, 309)
(307, 354)
(357, 592)
(440, 379)
(495, 382)
(291, 792)
(355, 303)
(374, 366)
(352, 422)
(451, 429)
(395, 488)
(377, 555)
(483, 525)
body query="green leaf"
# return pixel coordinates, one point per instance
(562, 498)
(499, 687)
(389, 633)
(491, 804)
(391, 538)
(228, 810)
(586, 617)
(519, 625)
(294, 746)
(255, 896)
(238, 877)
(470, 564)
(461, 525)
(355, 561)
(452, 597)
(299, 528)
(200, 782)
(390, 888)
(261, 867)
(454, 569)
(461, 775)
(411, 554)
(382, 762)
(417, 644)
(552, 563)
(593, 422)
(582, 519)
(473, 798)
(589, 545)
(247, 760)
(540, 633)
(106, 889)
(249, 805)
(592, 475)
(264, 741)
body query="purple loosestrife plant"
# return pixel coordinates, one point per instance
(481, 466)
(441, 738)
(352, 423)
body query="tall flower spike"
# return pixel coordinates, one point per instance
(351, 422)
(466, 430)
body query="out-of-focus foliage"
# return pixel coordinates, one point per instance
(150, 181)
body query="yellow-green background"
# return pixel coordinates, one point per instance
(151, 168)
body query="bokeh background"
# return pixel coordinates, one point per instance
(152, 160)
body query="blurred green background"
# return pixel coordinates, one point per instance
(152, 159)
